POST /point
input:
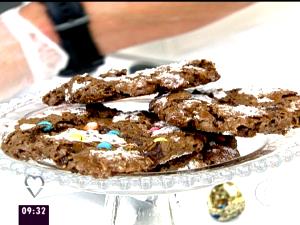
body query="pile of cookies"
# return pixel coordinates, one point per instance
(183, 129)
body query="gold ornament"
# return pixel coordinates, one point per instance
(225, 202)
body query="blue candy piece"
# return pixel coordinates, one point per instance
(105, 145)
(46, 125)
(114, 132)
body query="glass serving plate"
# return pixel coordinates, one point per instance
(257, 155)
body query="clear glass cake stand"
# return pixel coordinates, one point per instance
(148, 198)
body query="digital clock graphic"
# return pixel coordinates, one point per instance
(33, 215)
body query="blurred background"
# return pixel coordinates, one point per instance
(7, 5)
(253, 46)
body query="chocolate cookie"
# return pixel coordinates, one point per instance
(99, 141)
(90, 89)
(241, 112)
(218, 149)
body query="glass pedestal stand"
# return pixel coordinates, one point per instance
(146, 210)
(163, 209)
(159, 198)
(181, 208)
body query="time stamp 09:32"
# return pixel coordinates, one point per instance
(33, 214)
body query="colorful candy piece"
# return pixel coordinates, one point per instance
(225, 202)
(154, 129)
(46, 125)
(77, 137)
(91, 126)
(114, 132)
(160, 139)
(104, 145)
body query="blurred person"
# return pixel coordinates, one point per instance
(33, 46)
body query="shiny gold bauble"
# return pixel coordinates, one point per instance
(225, 202)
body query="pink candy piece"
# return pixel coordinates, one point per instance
(154, 128)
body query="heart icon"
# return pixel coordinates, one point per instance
(34, 184)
